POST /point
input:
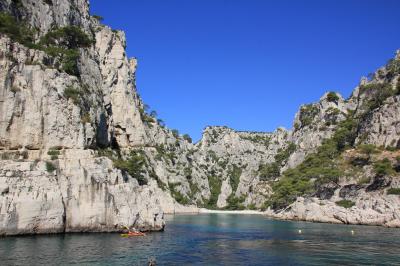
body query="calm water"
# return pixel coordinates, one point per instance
(214, 239)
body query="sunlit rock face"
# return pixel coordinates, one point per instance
(84, 191)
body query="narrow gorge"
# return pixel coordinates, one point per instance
(80, 152)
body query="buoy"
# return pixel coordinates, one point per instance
(352, 232)
(299, 231)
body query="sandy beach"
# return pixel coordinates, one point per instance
(202, 210)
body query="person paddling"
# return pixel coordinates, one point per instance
(133, 232)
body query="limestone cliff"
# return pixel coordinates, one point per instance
(59, 108)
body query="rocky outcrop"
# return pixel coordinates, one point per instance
(369, 209)
(84, 194)
(44, 110)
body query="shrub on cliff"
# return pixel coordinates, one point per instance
(307, 114)
(376, 94)
(215, 189)
(69, 37)
(73, 93)
(99, 18)
(317, 169)
(175, 133)
(234, 174)
(17, 31)
(179, 197)
(65, 42)
(345, 203)
(332, 97)
(268, 171)
(393, 191)
(50, 167)
(60, 42)
(283, 154)
(368, 149)
(235, 203)
(187, 138)
(134, 165)
(383, 167)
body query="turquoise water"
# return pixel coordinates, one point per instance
(214, 239)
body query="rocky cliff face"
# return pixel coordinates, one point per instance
(54, 124)
(80, 152)
(339, 163)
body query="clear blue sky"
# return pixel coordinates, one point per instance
(249, 64)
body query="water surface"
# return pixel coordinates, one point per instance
(214, 239)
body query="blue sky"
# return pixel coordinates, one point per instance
(249, 64)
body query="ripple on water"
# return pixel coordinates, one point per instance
(214, 239)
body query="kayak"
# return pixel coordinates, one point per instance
(133, 234)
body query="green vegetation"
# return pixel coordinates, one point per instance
(377, 93)
(69, 37)
(134, 165)
(181, 199)
(187, 172)
(272, 170)
(331, 116)
(79, 96)
(15, 89)
(187, 138)
(332, 97)
(235, 203)
(175, 133)
(307, 114)
(398, 87)
(345, 203)
(194, 189)
(160, 122)
(60, 42)
(234, 174)
(86, 118)
(215, 189)
(54, 154)
(391, 148)
(49, 2)
(345, 134)
(317, 169)
(50, 167)
(322, 167)
(145, 117)
(160, 183)
(268, 171)
(368, 149)
(70, 62)
(17, 31)
(212, 156)
(364, 180)
(393, 191)
(64, 43)
(73, 93)
(393, 67)
(283, 154)
(364, 158)
(264, 140)
(383, 167)
(397, 164)
(99, 18)
(165, 153)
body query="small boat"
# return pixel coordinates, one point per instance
(130, 234)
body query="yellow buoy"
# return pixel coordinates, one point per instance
(352, 232)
